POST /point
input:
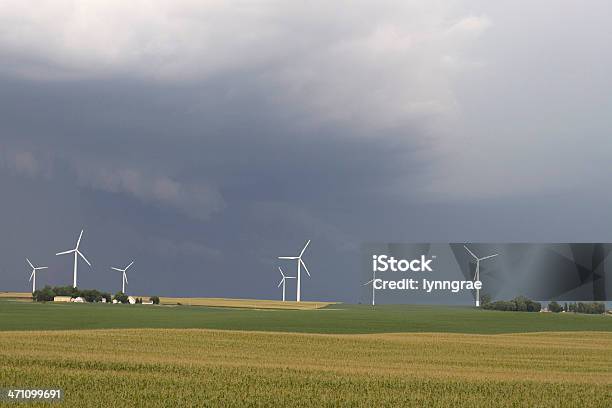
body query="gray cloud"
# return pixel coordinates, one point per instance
(190, 135)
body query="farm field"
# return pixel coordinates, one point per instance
(242, 303)
(340, 355)
(335, 319)
(15, 295)
(211, 302)
(193, 367)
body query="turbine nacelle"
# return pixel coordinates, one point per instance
(282, 281)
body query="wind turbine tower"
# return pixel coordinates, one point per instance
(477, 274)
(124, 278)
(33, 275)
(76, 253)
(300, 263)
(283, 281)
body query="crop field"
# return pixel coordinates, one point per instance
(335, 319)
(15, 295)
(151, 367)
(211, 302)
(341, 355)
(243, 303)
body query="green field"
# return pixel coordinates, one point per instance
(340, 319)
(343, 355)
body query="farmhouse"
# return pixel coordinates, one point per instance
(62, 299)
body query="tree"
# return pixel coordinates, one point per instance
(555, 307)
(121, 297)
(45, 294)
(154, 299)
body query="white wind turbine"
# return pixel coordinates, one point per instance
(283, 281)
(477, 274)
(124, 279)
(33, 275)
(371, 281)
(77, 253)
(300, 263)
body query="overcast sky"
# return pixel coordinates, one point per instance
(205, 138)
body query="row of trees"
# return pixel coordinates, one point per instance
(580, 307)
(47, 294)
(518, 304)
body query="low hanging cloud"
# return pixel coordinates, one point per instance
(195, 199)
(198, 200)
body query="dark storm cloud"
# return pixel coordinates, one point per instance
(206, 140)
(271, 181)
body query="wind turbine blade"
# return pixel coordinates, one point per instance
(304, 249)
(368, 282)
(280, 283)
(30, 263)
(79, 240)
(289, 277)
(83, 256)
(489, 257)
(304, 265)
(128, 267)
(471, 253)
(125, 277)
(65, 252)
(117, 269)
(281, 271)
(287, 257)
(42, 267)
(31, 276)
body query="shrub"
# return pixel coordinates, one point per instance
(485, 299)
(588, 308)
(121, 297)
(45, 294)
(518, 304)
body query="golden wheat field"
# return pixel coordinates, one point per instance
(159, 367)
(243, 303)
(16, 295)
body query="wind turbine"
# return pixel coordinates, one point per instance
(77, 253)
(300, 263)
(477, 274)
(33, 275)
(283, 281)
(124, 279)
(373, 289)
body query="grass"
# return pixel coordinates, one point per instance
(340, 319)
(161, 367)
